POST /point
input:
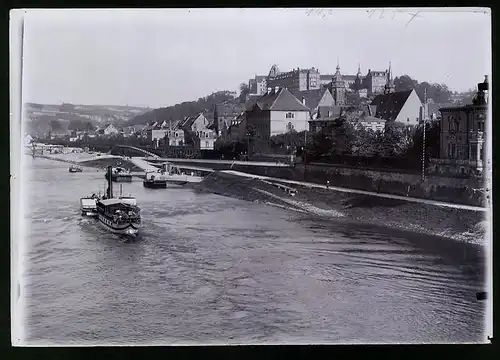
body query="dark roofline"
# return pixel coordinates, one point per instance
(463, 107)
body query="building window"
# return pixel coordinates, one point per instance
(480, 126)
(289, 115)
(453, 151)
(473, 152)
(206, 135)
(207, 144)
(176, 134)
(460, 152)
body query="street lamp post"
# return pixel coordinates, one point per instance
(423, 151)
(248, 145)
(423, 136)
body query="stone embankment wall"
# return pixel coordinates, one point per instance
(460, 191)
(454, 190)
(457, 224)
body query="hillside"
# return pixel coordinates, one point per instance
(180, 111)
(40, 119)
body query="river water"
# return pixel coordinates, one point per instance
(211, 269)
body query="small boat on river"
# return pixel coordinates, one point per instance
(75, 169)
(88, 205)
(155, 180)
(168, 173)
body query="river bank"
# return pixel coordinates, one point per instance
(465, 191)
(458, 224)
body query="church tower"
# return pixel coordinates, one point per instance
(338, 87)
(389, 85)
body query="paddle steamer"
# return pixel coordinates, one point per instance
(119, 215)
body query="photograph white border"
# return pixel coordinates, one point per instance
(18, 171)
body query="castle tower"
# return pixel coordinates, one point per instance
(358, 82)
(338, 87)
(389, 85)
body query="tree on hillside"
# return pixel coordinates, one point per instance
(80, 125)
(404, 83)
(432, 140)
(321, 143)
(440, 93)
(55, 125)
(244, 91)
(290, 138)
(180, 111)
(395, 140)
(343, 139)
(467, 96)
(366, 142)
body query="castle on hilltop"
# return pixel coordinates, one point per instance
(311, 79)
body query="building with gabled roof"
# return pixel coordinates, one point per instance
(277, 112)
(315, 98)
(402, 106)
(200, 126)
(110, 130)
(223, 114)
(324, 116)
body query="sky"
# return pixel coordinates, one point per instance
(158, 58)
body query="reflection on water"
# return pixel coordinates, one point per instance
(212, 269)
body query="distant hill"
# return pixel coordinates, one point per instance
(42, 118)
(180, 111)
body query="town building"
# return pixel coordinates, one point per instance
(257, 85)
(325, 79)
(323, 117)
(401, 106)
(462, 136)
(294, 80)
(198, 128)
(110, 130)
(237, 128)
(174, 137)
(315, 98)
(277, 112)
(338, 88)
(223, 114)
(372, 123)
(375, 81)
